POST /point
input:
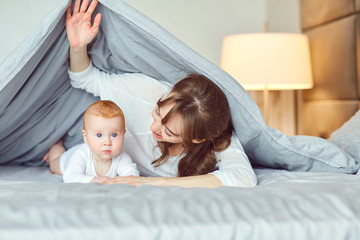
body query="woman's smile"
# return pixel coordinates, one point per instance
(156, 135)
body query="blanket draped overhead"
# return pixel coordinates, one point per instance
(38, 105)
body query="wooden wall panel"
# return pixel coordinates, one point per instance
(357, 5)
(321, 118)
(357, 30)
(317, 12)
(333, 27)
(333, 57)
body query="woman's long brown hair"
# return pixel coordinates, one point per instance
(206, 116)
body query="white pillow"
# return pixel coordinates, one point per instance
(347, 137)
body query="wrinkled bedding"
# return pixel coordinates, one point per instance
(35, 204)
(37, 109)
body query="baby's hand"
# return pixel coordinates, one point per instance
(99, 179)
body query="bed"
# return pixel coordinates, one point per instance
(308, 186)
(285, 205)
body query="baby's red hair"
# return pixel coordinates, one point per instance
(105, 109)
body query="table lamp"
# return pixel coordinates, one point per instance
(268, 61)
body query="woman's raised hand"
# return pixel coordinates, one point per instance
(80, 31)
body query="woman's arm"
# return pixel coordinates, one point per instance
(81, 32)
(234, 170)
(204, 181)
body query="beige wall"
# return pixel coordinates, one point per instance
(18, 18)
(202, 24)
(284, 16)
(199, 23)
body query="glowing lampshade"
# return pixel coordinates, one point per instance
(273, 61)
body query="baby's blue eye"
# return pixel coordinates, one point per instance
(114, 135)
(99, 135)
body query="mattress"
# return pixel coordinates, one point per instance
(36, 204)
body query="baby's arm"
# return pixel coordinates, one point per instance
(76, 168)
(126, 167)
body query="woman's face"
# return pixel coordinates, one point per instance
(169, 132)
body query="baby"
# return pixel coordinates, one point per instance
(101, 156)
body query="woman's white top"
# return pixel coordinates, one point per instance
(77, 165)
(137, 94)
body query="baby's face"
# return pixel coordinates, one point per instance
(105, 136)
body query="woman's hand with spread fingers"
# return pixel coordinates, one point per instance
(80, 32)
(79, 29)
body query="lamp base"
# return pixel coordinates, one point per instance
(266, 104)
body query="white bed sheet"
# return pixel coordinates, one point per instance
(35, 204)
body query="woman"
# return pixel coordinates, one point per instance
(190, 142)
